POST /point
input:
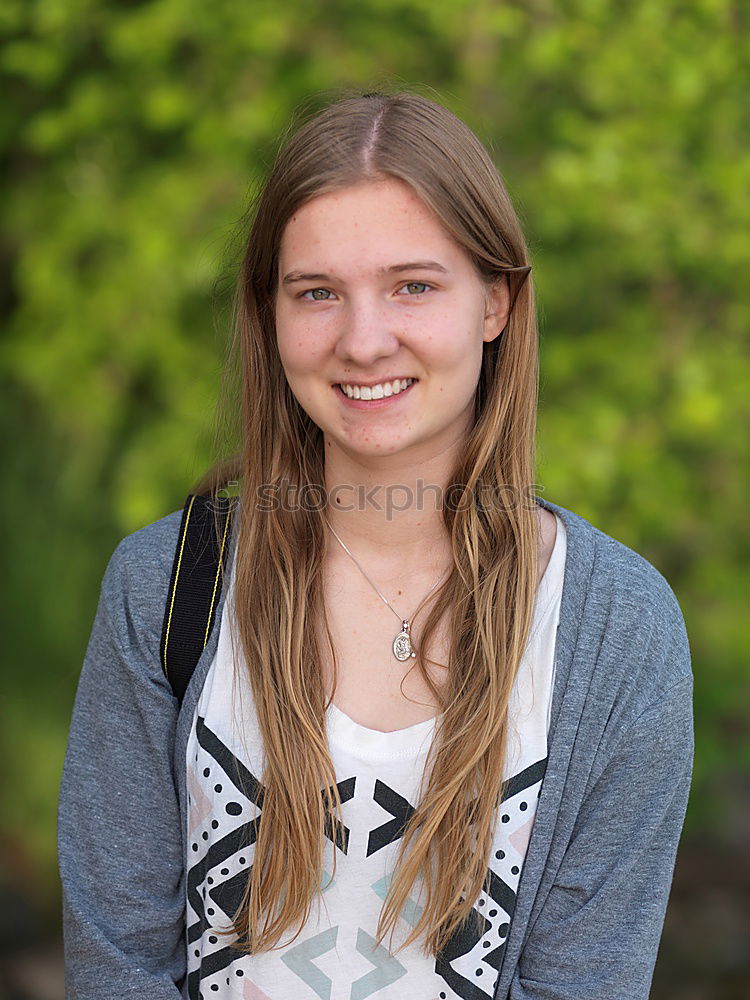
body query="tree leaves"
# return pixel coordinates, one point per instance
(134, 134)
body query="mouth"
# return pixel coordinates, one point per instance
(379, 390)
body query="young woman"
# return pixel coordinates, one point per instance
(439, 741)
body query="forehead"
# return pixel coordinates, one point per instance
(365, 225)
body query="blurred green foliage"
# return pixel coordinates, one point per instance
(130, 136)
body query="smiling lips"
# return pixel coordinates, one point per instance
(378, 391)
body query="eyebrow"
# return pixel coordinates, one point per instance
(414, 265)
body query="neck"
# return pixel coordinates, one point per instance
(389, 509)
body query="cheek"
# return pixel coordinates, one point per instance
(291, 352)
(457, 344)
(456, 351)
(300, 349)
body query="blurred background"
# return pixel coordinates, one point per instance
(131, 134)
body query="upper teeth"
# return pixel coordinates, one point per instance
(376, 391)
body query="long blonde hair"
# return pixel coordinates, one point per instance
(488, 597)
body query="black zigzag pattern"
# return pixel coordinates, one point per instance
(401, 810)
(476, 926)
(243, 780)
(227, 895)
(336, 831)
(524, 779)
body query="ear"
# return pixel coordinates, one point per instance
(497, 308)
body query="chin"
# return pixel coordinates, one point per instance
(374, 448)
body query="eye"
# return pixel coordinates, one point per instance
(317, 294)
(415, 288)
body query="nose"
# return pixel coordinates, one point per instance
(366, 334)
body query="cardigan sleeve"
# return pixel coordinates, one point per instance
(597, 935)
(119, 830)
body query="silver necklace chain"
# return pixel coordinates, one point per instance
(402, 647)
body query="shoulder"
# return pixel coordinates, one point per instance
(151, 547)
(623, 606)
(136, 582)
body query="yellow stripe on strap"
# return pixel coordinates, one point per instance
(174, 588)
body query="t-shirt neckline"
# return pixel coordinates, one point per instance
(415, 739)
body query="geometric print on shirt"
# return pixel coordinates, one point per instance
(471, 960)
(222, 834)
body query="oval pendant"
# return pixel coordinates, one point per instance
(402, 648)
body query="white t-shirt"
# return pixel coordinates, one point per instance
(378, 775)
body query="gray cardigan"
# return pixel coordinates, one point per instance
(596, 878)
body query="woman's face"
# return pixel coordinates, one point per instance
(380, 319)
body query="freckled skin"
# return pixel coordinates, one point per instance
(370, 326)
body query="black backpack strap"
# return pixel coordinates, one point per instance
(195, 588)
